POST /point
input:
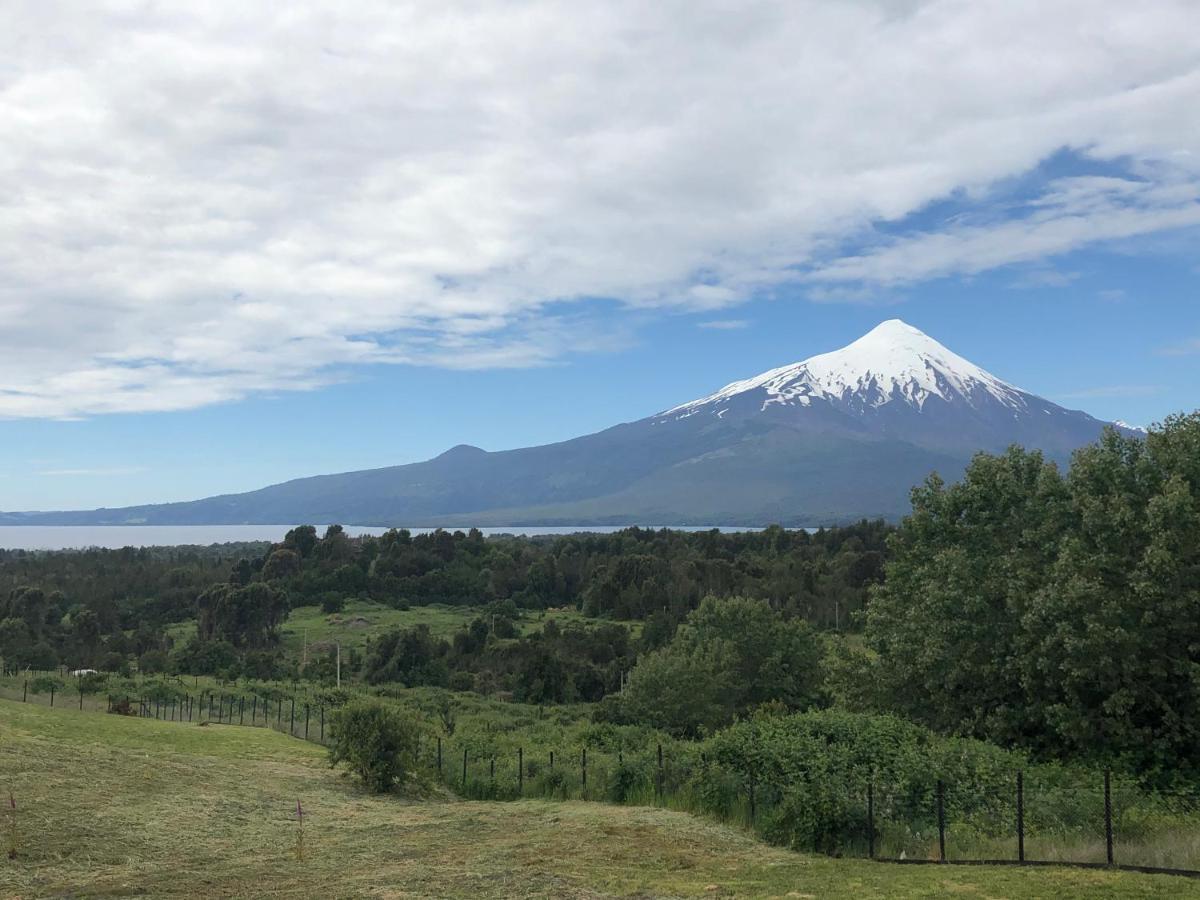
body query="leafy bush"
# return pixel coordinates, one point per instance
(44, 684)
(811, 772)
(377, 742)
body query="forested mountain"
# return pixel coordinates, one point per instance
(833, 439)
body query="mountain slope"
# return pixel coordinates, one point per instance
(838, 436)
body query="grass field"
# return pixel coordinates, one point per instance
(110, 806)
(362, 620)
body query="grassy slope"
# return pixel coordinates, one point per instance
(117, 807)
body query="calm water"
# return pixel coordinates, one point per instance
(62, 537)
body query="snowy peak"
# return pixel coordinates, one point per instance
(892, 363)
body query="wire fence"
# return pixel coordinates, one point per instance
(999, 818)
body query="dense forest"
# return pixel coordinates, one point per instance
(113, 609)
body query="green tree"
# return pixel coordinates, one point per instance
(966, 566)
(731, 655)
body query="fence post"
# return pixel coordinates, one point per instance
(323, 724)
(659, 778)
(25, 693)
(253, 710)
(306, 721)
(464, 780)
(1108, 835)
(242, 710)
(753, 811)
(1020, 817)
(189, 706)
(520, 771)
(210, 706)
(583, 769)
(52, 695)
(492, 773)
(292, 718)
(81, 693)
(870, 820)
(439, 757)
(551, 759)
(941, 819)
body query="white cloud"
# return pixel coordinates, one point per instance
(724, 324)
(201, 202)
(1073, 213)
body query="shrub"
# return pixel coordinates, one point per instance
(333, 602)
(152, 662)
(376, 742)
(462, 681)
(44, 684)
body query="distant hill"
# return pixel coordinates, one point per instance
(834, 438)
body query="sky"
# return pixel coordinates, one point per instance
(241, 243)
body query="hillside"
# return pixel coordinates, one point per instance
(835, 438)
(110, 806)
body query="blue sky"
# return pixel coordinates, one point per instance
(237, 248)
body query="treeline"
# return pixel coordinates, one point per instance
(631, 574)
(110, 608)
(100, 607)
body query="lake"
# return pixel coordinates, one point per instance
(67, 537)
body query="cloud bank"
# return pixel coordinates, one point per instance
(201, 203)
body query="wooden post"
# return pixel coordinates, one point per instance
(941, 818)
(323, 724)
(464, 778)
(306, 721)
(520, 771)
(1020, 817)
(1108, 831)
(583, 769)
(659, 782)
(254, 709)
(753, 811)
(870, 820)
(25, 692)
(439, 756)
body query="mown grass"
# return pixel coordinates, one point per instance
(111, 806)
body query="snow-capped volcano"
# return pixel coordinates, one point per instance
(895, 383)
(837, 437)
(892, 363)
